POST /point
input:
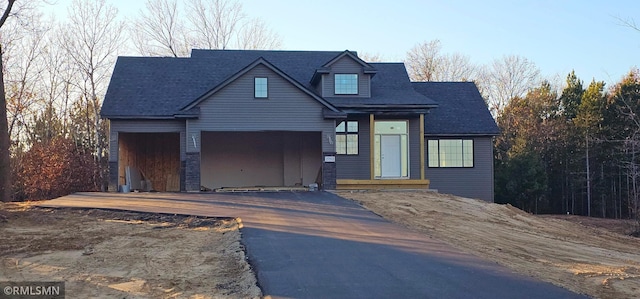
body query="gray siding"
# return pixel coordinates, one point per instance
(476, 182)
(234, 108)
(357, 167)
(144, 126)
(346, 65)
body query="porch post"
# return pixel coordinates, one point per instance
(422, 174)
(372, 152)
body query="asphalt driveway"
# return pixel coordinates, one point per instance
(319, 245)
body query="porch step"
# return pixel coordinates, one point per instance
(348, 184)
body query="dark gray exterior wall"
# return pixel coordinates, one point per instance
(357, 167)
(234, 108)
(346, 65)
(476, 182)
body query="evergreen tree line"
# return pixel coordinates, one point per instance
(576, 151)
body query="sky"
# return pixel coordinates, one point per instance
(557, 35)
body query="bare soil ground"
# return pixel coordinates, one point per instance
(111, 254)
(582, 255)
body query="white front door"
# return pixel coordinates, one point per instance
(390, 156)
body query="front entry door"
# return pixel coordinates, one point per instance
(390, 156)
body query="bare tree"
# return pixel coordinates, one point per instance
(91, 40)
(5, 163)
(159, 31)
(422, 60)
(57, 79)
(215, 22)
(457, 67)
(23, 73)
(628, 22)
(210, 24)
(255, 35)
(426, 62)
(370, 57)
(508, 77)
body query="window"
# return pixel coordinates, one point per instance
(260, 88)
(346, 84)
(451, 153)
(347, 138)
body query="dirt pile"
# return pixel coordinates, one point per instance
(585, 259)
(110, 254)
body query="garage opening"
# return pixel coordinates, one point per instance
(155, 155)
(260, 159)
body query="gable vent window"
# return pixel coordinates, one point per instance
(347, 138)
(451, 153)
(261, 88)
(346, 84)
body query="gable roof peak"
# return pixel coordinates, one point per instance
(259, 61)
(353, 55)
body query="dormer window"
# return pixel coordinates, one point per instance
(346, 83)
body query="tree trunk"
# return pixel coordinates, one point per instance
(5, 141)
(6, 193)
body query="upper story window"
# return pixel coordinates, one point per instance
(451, 153)
(346, 83)
(347, 138)
(261, 90)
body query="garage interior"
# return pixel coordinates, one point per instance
(155, 155)
(260, 159)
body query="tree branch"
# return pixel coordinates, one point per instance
(5, 15)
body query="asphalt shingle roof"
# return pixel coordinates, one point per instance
(461, 110)
(157, 87)
(161, 86)
(390, 85)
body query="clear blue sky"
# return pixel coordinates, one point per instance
(557, 35)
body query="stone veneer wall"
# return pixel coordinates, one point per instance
(192, 172)
(329, 173)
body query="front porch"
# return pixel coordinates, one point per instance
(348, 184)
(390, 153)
